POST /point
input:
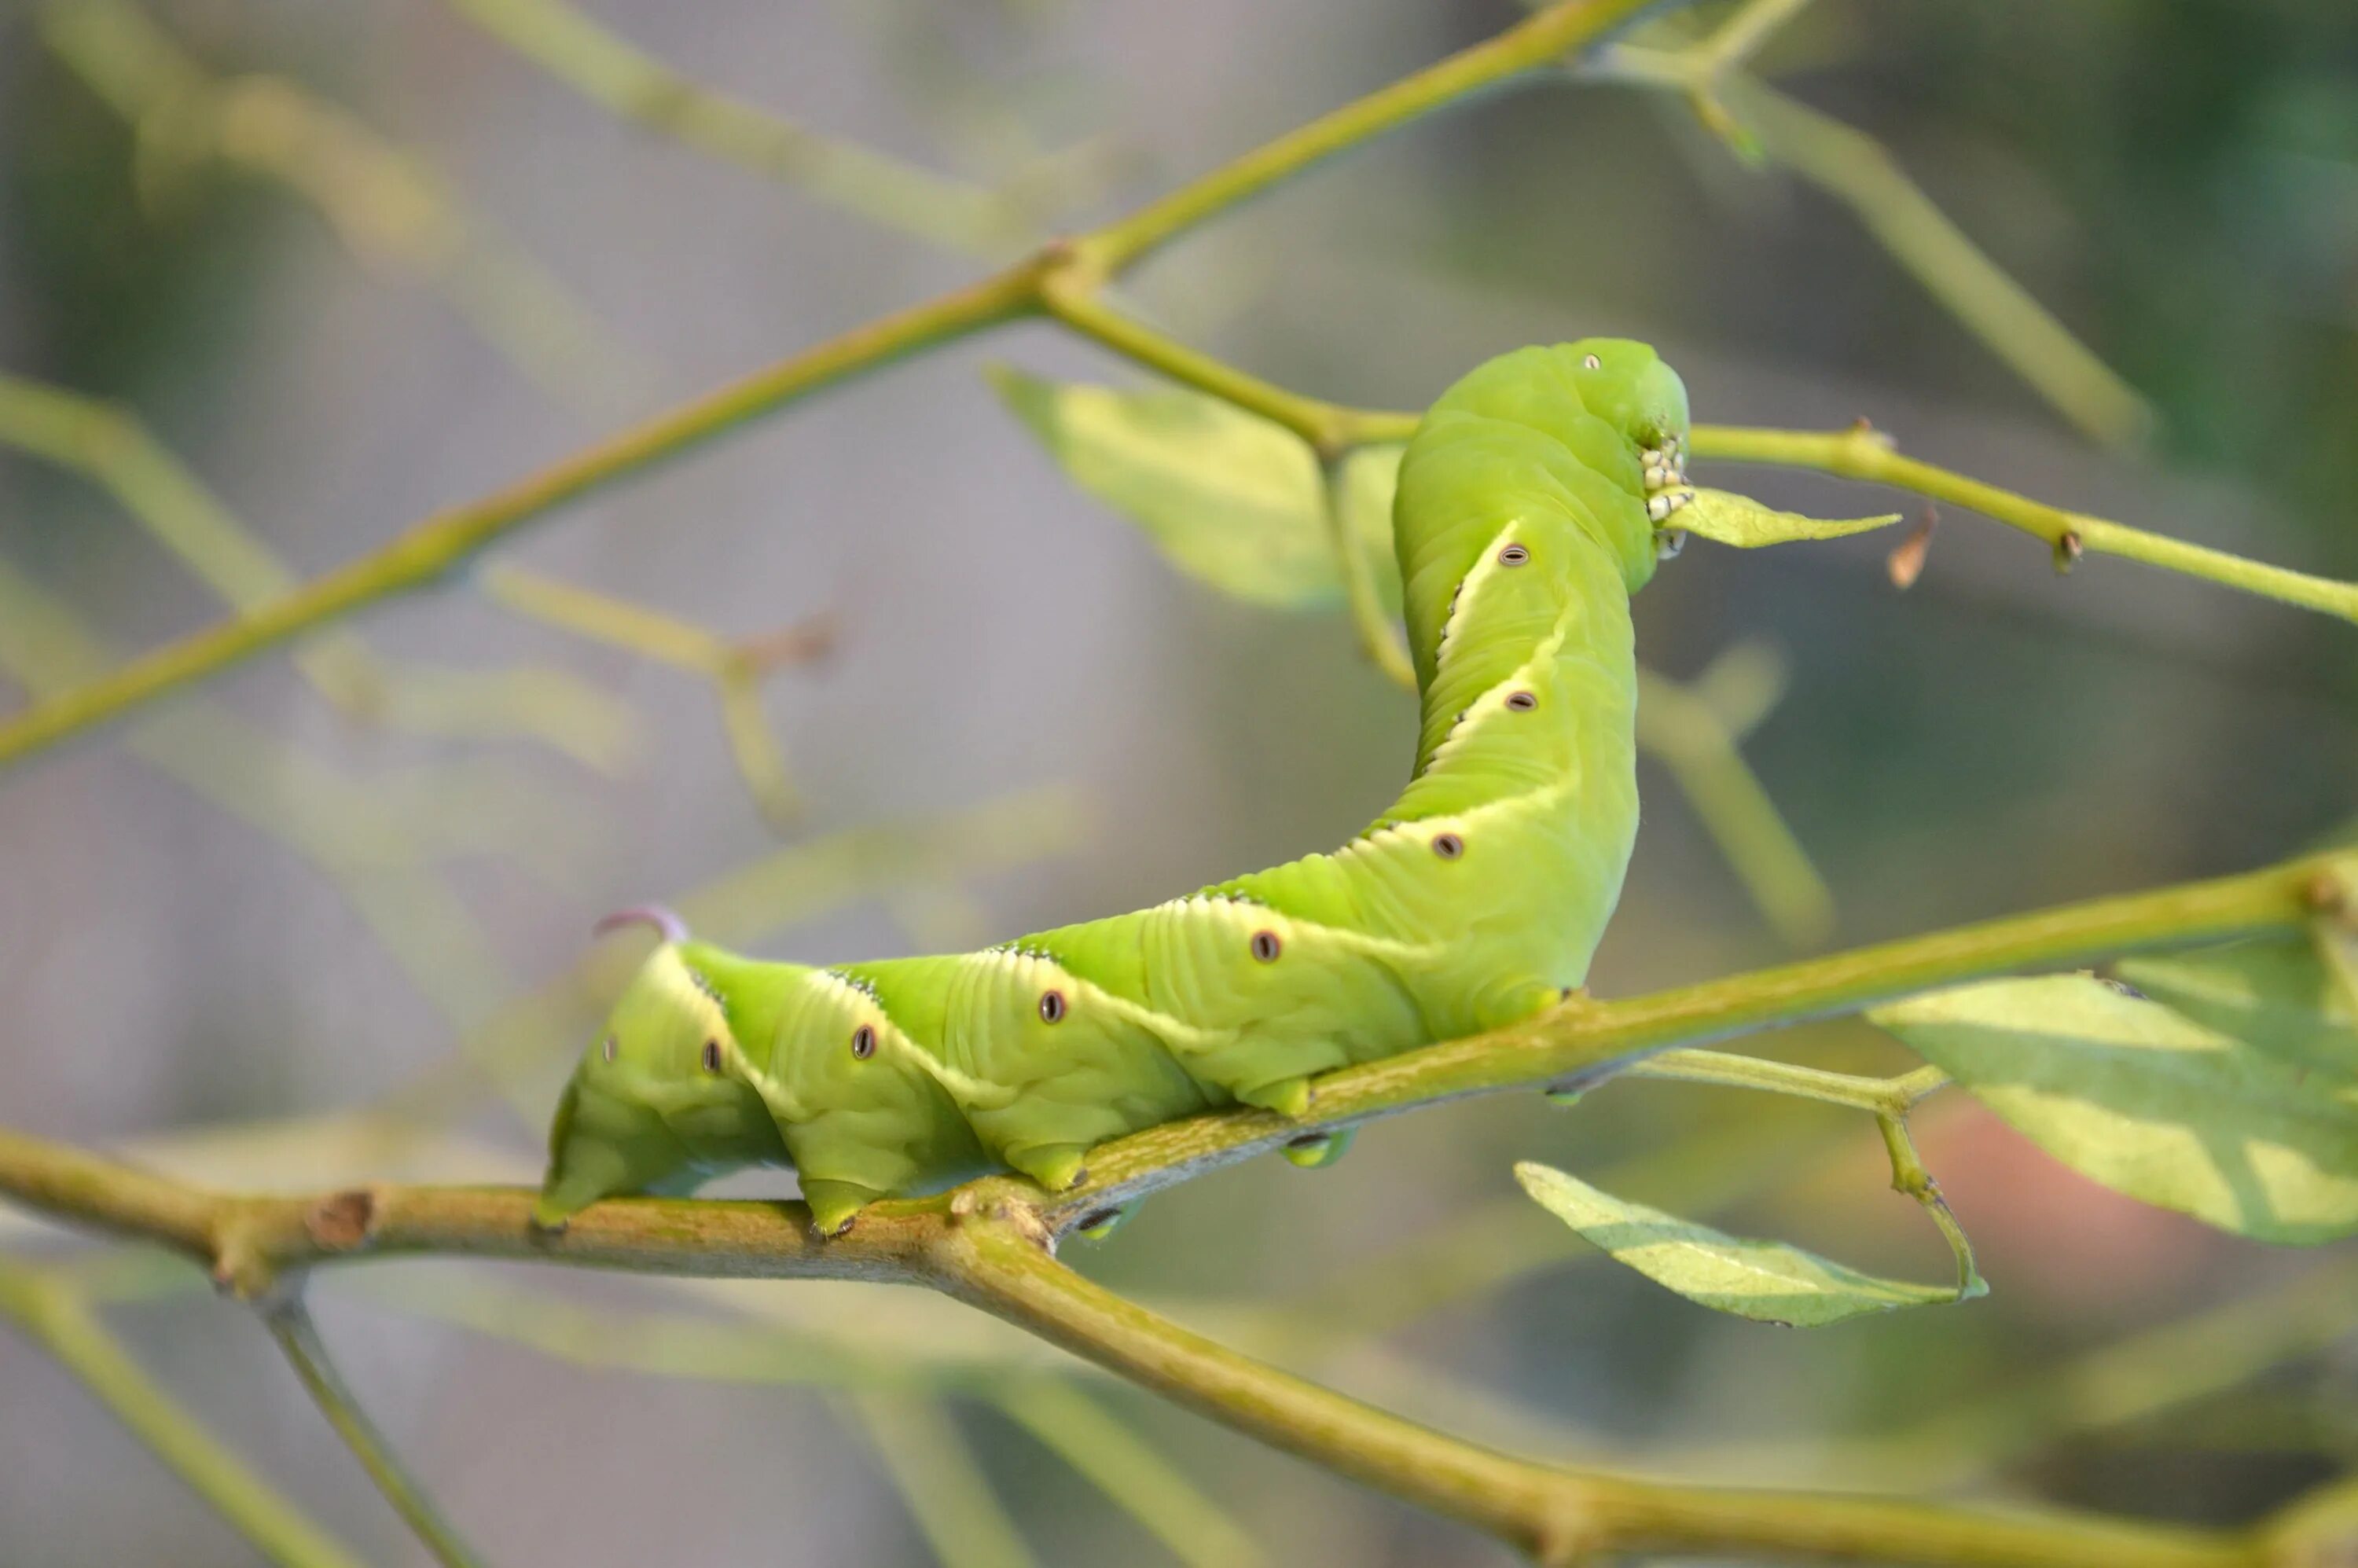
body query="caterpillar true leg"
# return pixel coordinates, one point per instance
(1527, 514)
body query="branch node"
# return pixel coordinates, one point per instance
(1569, 1532)
(2328, 894)
(241, 1271)
(342, 1222)
(2067, 550)
(1027, 1223)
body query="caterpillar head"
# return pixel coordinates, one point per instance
(1627, 384)
(1609, 405)
(659, 1100)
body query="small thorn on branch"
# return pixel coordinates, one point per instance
(2067, 550)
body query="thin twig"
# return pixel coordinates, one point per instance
(1078, 1428)
(932, 1469)
(1865, 454)
(115, 450)
(385, 206)
(431, 549)
(56, 1319)
(1684, 731)
(1855, 168)
(617, 77)
(291, 1325)
(1884, 1096)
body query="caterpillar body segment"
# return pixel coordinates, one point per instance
(1527, 512)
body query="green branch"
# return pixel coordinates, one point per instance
(990, 1243)
(1557, 1514)
(1855, 170)
(1068, 270)
(1580, 1038)
(614, 75)
(933, 1469)
(988, 1246)
(1543, 40)
(1865, 454)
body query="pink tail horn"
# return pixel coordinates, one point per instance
(672, 928)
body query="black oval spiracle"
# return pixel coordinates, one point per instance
(1448, 846)
(863, 1041)
(1522, 701)
(712, 1055)
(1514, 556)
(1052, 1007)
(1265, 946)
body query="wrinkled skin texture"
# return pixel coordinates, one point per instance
(1526, 515)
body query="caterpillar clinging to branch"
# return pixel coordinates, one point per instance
(1529, 508)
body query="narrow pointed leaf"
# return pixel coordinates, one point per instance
(2150, 1102)
(1766, 1281)
(1726, 518)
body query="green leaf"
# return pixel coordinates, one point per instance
(2276, 993)
(1226, 496)
(1727, 518)
(2149, 1102)
(1767, 1281)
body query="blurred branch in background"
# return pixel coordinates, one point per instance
(1759, 123)
(376, 857)
(1102, 1447)
(618, 77)
(47, 1308)
(2143, 1376)
(989, 1244)
(384, 205)
(1067, 268)
(517, 1043)
(1076, 1426)
(115, 450)
(1694, 730)
(1065, 280)
(735, 666)
(932, 1466)
(990, 1251)
(987, 1248)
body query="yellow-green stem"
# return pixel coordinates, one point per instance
(1865, 454)
(62, 1324)
(290, 1325)
(444, 542)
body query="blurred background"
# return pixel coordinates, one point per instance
(872, 676)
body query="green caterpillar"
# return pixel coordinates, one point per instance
(1529, 509)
